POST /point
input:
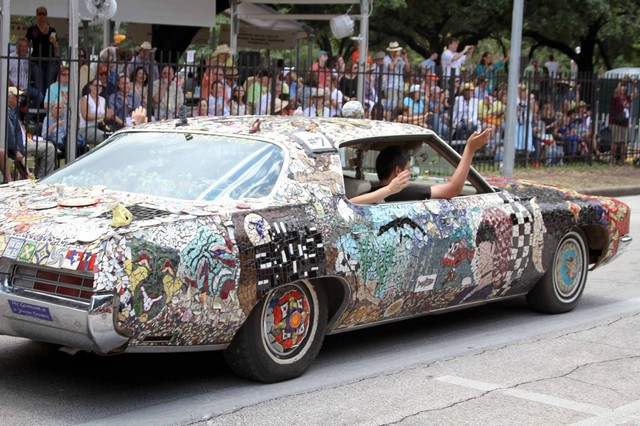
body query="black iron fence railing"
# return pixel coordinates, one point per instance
(559, 120)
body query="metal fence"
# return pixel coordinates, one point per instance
(560, 120)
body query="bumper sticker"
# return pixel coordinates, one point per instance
(29, 310)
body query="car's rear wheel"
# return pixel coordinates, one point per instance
(562, 285)
(282, 335)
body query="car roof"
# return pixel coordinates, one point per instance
(317, 133)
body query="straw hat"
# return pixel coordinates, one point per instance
(15, 91)
(468, 86)
(231, 72)
(223, 49)
(393, 47)
(280, 105)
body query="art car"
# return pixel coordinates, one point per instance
(228, 234)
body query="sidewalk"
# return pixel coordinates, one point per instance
(604, 180)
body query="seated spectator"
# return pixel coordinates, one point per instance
(290, 84)
(465, 113)
(218, 101)
(123, 103)
(348, 83)
(203, 109)
(317, 107)
(167, 96)
(392, 166)
(308, 88)
(54, 127)
(439, 109)
(335, 97)
(140, 86)
(93, 111)
(414, 107)
(59, 90)
(19, 145)
(239, 101)
(257, 88)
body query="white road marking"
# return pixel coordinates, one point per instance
(621, 415)
(531, 396)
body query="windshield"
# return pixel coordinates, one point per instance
(187, 166)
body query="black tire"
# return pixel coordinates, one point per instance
(259, 354)
(561, 287)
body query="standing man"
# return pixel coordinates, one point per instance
(395, 64)
(19, 70)
(429, 65)
(452, 60)
(142, 59)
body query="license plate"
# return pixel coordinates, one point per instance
(29, 310)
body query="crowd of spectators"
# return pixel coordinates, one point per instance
(461, 95)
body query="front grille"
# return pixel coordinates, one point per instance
(141, 212)
(59, 283)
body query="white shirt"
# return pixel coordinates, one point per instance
(19, 65)
(449, 64)
(553, 68)
(336, 95)
(465, 111)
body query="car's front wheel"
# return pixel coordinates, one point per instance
(562, 285)
(282, 335)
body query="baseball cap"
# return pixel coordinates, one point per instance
(379, 55)
(414, 88)
(287, 70)
(103, 69)
(322, 52)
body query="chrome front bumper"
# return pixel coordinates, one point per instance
(37, 316)
(623, 245)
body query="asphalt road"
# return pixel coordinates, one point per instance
(496, 364)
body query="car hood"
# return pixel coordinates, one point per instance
(84, 217)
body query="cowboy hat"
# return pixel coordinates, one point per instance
(223, 49)
(393, 47)
(146, 46)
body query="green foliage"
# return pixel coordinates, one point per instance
(605, 30)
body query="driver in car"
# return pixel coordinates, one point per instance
(392, 166)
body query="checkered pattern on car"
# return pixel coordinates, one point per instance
(522, 229)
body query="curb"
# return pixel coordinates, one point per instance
(614, 191)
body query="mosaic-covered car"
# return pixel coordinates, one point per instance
(237, 235)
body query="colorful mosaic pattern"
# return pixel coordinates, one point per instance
(191, 272)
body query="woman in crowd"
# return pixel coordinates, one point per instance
(140, 85)
(238, 101)
(349, 82)
(59, 90)
(218, 101)
(44, 42)
(93, 110)
(203, 109)
(336, 97)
